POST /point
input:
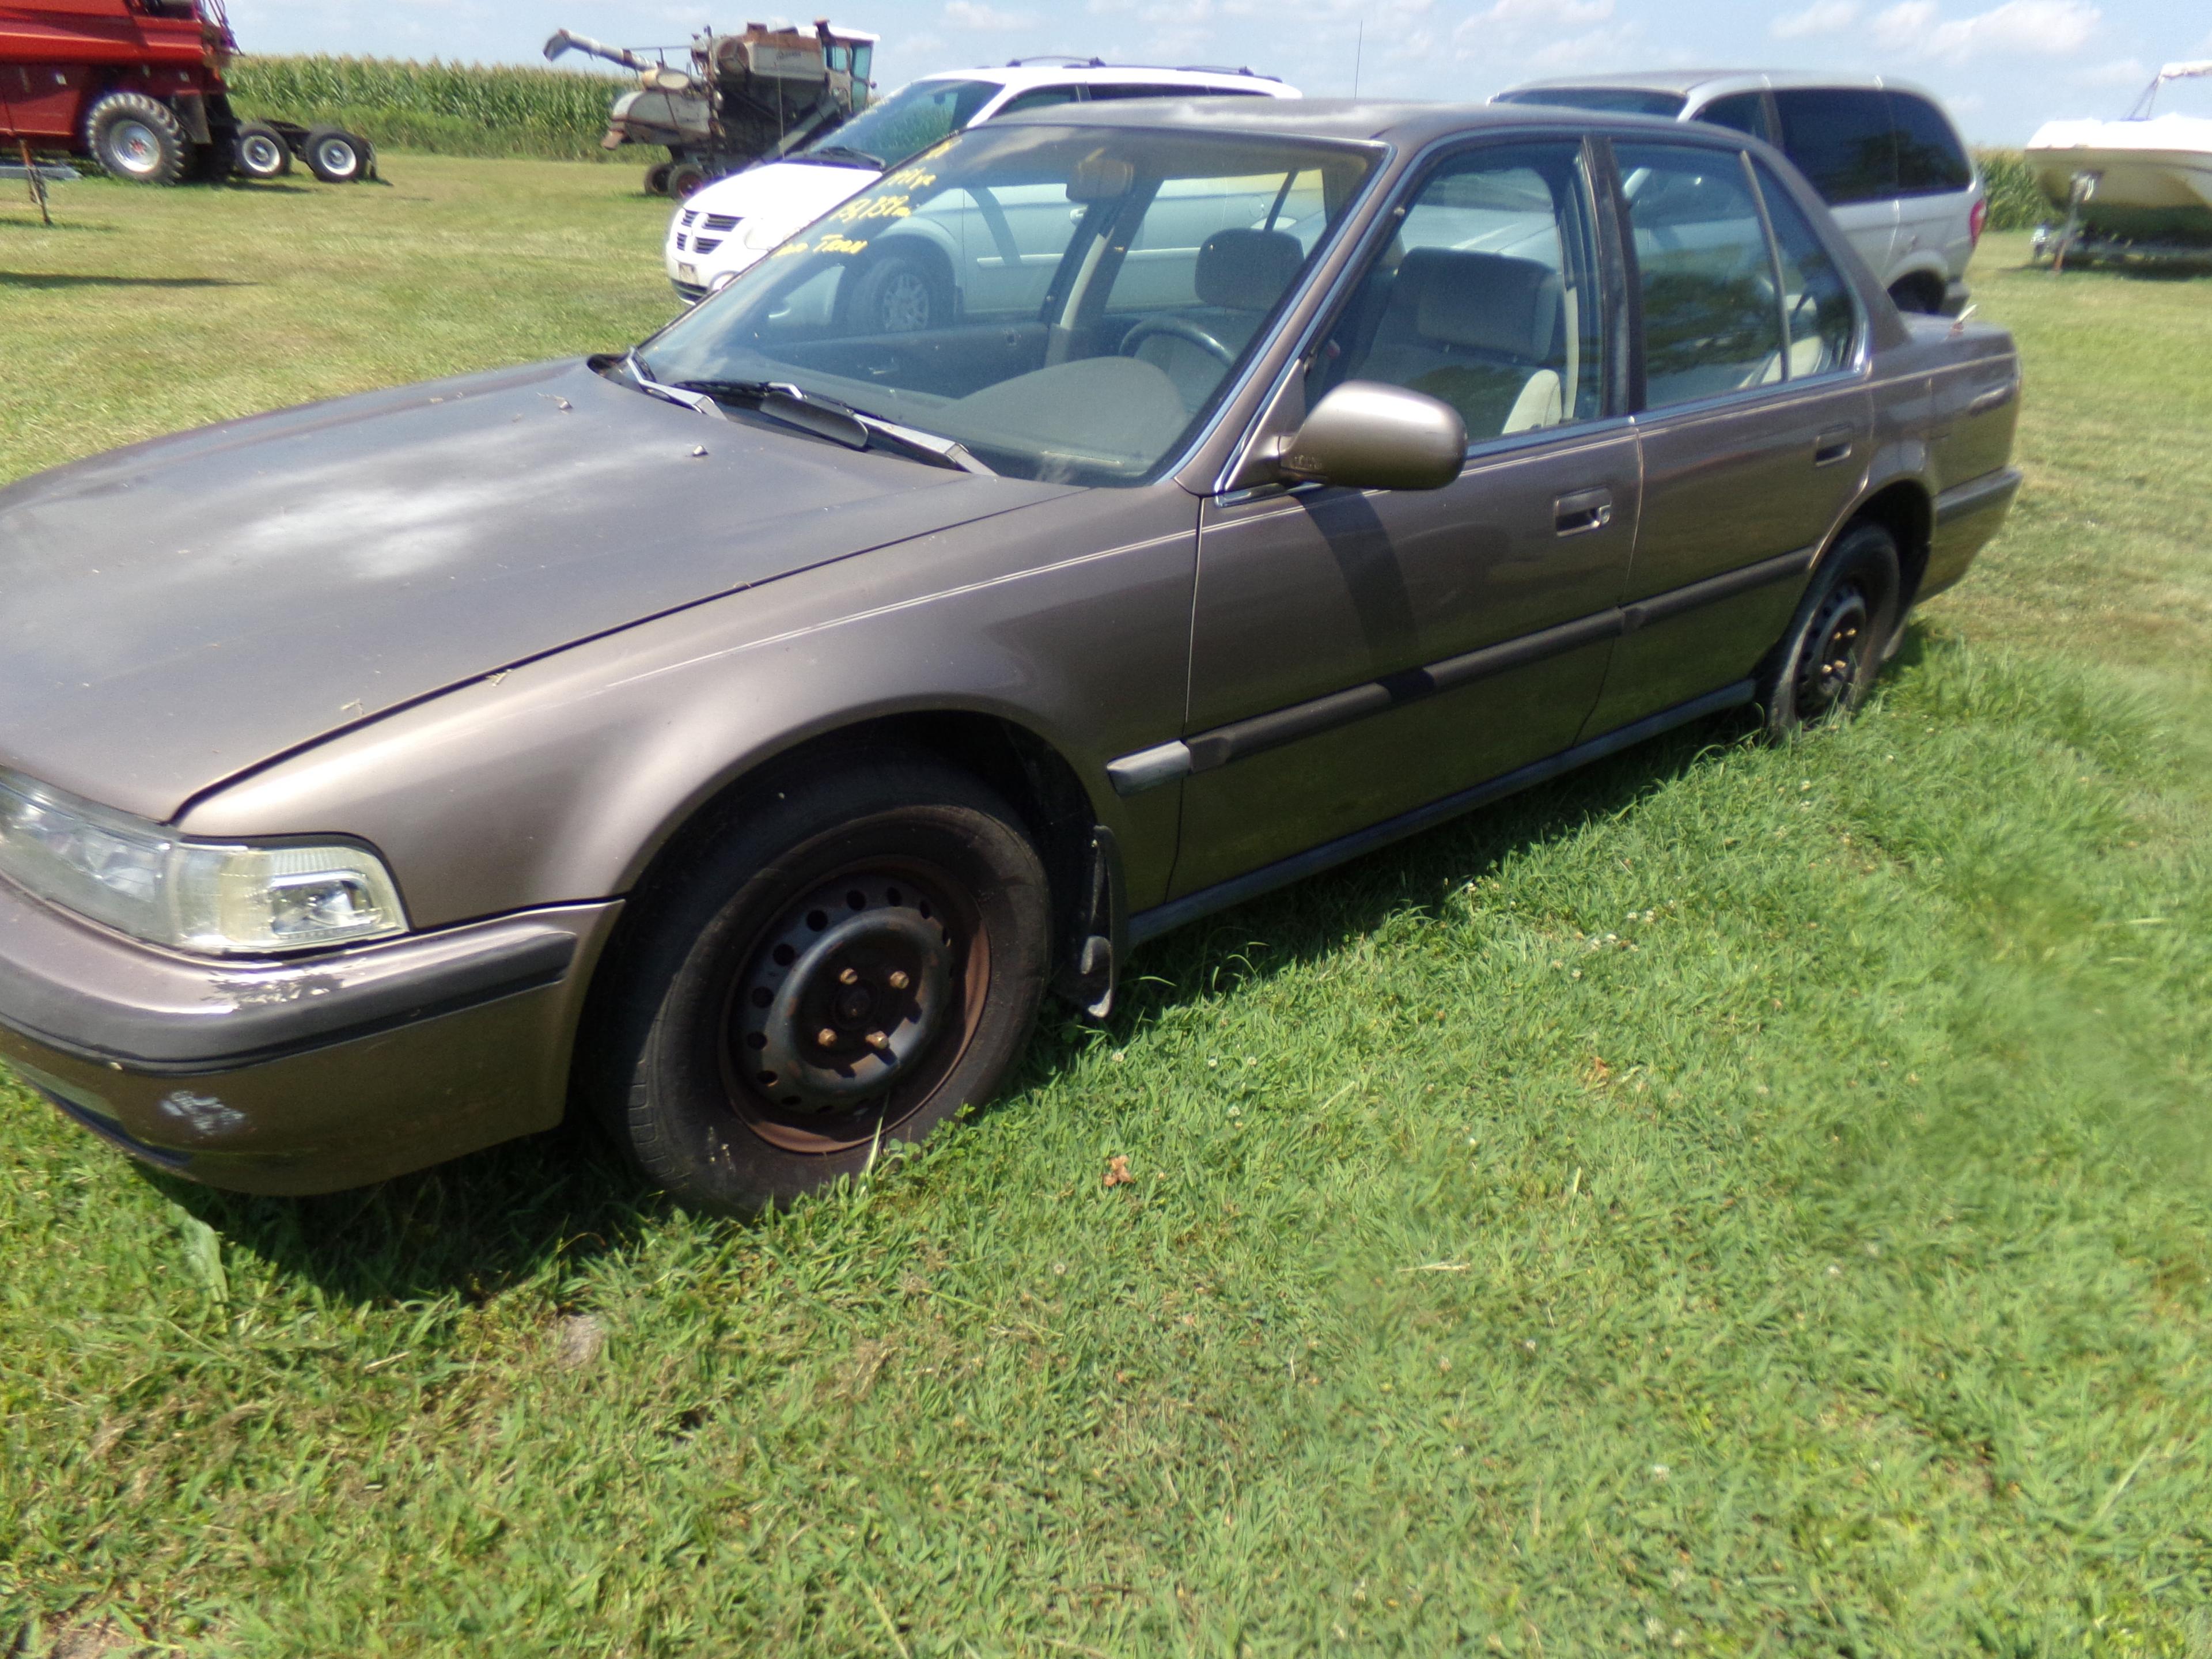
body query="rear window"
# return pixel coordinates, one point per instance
(1930, 160)
(1610, 100)
(1840, 139)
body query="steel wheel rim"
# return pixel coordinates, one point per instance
(336, 155)
(903, 306)
(1835, 654)
(137, 151)
(804, 1094)
(261, 155)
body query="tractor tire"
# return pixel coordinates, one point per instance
(262, 152)
(138, 138)
(336, 157)
(656, 178)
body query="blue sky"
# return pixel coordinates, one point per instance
(2002, 67)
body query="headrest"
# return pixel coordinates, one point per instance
(1486, 300)
(1247, 270)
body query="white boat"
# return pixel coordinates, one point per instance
(2147, 179)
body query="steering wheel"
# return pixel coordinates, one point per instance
(1182, 330)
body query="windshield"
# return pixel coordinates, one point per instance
(911, 118)
(1610, 100)
(1065, 301)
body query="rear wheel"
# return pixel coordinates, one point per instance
(138, 138)
(852, 961)
(262, 152)
(336, 157)
(1921, 296)
(656, 178)
(1838, 640)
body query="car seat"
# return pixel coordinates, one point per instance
(1480, 332)
(1239, 276)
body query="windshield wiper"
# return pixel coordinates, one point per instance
(840, 155)
(697, 402)
(840, 422)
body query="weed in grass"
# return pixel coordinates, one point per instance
(1742, 1198)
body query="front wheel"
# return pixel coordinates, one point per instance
(1840, 638)
(899, 294)
(845, 964)
(134, 136)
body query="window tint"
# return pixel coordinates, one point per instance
(1929, 158)
(1488, 298)
(1039, 98)
(1816, 307)
(915, 116)
(1613, 100)
(1107, 94)
(1711, 321)
(1746, 112)
(1840, 139)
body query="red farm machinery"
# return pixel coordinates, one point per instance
(137, 86)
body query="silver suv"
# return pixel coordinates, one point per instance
(1880, 151)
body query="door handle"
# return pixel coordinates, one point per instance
(1832, 446)
(1583, 511)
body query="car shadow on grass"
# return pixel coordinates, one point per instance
(506, 1215)
(42, 280)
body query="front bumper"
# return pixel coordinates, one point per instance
(304, 1076)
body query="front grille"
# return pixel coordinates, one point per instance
(723, 222)
(705, 244)
(690, 217)
(682, 243)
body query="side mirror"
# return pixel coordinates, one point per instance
(1368, 435)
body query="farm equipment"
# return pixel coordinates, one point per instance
(137, 86)
(742, 97)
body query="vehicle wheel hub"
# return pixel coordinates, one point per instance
(1835, 654)
(848, 990)
(904, 307)
(137, 148)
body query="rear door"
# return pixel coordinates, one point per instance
(1357, 654)
(1755, 419)
(1841, 139)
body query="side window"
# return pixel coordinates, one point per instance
(1038, 98)
(1711, 323)
(1110, 93)
(1840, 139)
(1489, 298)
(1816, 306)
(1930, 160)
(1745, 112)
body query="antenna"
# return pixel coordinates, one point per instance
(1359, 51)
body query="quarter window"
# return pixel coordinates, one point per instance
(1038, 98)
(1745, 112)
(1929, 160)
(1712, 317)
(1816, 306)
(1841, 140)
(1488, 298)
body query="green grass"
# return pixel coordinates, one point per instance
(1732, 1201)
(449, 109)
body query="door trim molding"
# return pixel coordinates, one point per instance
(1147, 925)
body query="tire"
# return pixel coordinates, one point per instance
(138, 138)
(656, 178)
(888, 904)
(262, 152)
(900, 293)
(336, 157)
(685, 178)
(1840, 638)
(1918, 296)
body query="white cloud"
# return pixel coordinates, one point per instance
(975, 14)
(2050, 28)
(1821, 17)
(2120, 72)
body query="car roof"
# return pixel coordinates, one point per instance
(1341, 118)
(1691, 81)
(1085, 73)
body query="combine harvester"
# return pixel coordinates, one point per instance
(137, 86)
(760, 94)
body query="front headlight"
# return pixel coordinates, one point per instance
(138, 878)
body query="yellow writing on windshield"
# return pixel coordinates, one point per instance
(833, 243)
(874, 207)
(912, 179)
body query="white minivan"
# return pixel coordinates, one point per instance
(733, 222)
(1880, 151)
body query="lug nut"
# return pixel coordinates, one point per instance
(899, 982)
(878, 1041)
(848, 976)
(826, 1037)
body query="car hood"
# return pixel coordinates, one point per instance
(785, 192)
(174, 613)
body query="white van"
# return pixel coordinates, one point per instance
(1880, 151)
(734, 221)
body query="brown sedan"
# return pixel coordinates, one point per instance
(741, 735)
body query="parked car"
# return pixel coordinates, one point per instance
(728, 225)
(1880, 151)
(378, 778)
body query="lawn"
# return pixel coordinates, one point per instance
(1731, 1201)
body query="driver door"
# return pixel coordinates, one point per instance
(1356, 655)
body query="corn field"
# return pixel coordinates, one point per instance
(2015, 202)
(450, 109)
